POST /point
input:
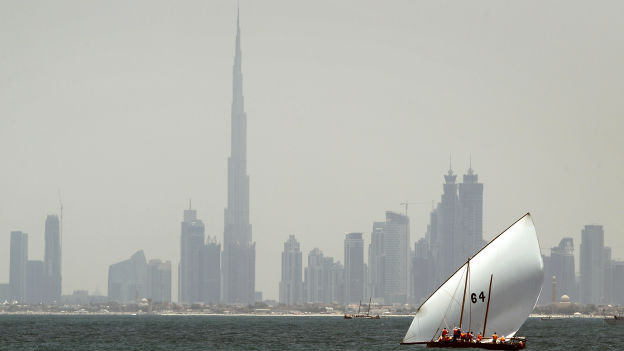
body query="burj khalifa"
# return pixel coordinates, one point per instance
(239, 251)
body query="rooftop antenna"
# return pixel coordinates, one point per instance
(190, 207)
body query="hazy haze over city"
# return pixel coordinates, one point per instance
(353, 107)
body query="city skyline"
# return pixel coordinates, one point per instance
(323, 280)
(127, 117)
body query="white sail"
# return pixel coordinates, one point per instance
(514, 262)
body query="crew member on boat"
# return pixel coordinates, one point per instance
(479, 337)
(494, 338)
(444, 333)
(456, 334)
(469, 336)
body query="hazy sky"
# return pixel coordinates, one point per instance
(353, 107)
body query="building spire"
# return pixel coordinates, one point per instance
(237, 72)
(450, 176)
(470, 171)
(237, 52)
(238, 260)
(450, 171)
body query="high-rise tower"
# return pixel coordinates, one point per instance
(239, 252)
(389, 259)
(471, 214)
(291, 285)
(17, 273)
(52, 260)
(448, 245)
(354, 267)
(455, 232)
(190, 274)
(592, 264)
(562, 267)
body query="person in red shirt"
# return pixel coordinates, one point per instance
(456, 334)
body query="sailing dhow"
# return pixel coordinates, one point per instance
(493, 292)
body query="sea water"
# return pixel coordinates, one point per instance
(156, 332)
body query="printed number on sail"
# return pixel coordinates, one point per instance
(473, 297)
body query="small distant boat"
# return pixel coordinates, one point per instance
(503, 304)
(550, 318)
(616, 320)
(362, 315)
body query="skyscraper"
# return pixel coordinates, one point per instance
(333, 282)
(471, 213)
(617, 277)
(421, 270)
(376, 261)
(212, 271)
(291, 285)
(133, 279)
(17, 269)
(190, 276)
(314, 276)
(396, 250)
(448, 246)
(608, 294)
(455, 232)
(52, 260)
(354, 267)
(562, 267)
(239, 251)
(159, 281)
(592, 265)
(389, 259)
(35, 282)
(127, 279)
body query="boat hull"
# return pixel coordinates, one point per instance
(476, 345)
(365, 316)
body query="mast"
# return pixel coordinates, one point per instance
(360, 306)
(487, 308)
(369, 302)
(461, 317)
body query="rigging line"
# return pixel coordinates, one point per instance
(470, 308)
(452, 298)
(449, 305)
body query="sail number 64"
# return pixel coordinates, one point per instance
(473, 297)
